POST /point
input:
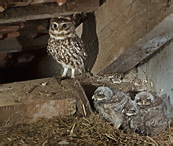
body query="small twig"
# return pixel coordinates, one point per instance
(153, 140)
(72, 129)
(84, 111)
(86, 120)
(87, 125)
(32, 89)
(64, 123)
(9, 139)
(110, 137)
(44, 142)
(22, 141)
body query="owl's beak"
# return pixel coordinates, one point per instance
(130, 113)
(93, 97)
(98, 98)
(58, 29)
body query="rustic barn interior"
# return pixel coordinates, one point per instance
(129, 46)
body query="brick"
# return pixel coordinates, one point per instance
(13, 34)
(40, 27)
(22, 25)
(6, 29)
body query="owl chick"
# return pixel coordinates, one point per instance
(145, 100)
(152, 110)
(169, 107)
(110, 104)
(65, 46)
(132, 117)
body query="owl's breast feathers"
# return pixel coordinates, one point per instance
(68, 52)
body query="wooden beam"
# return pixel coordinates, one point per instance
(82, 102)
(29, 112)
(25, 102)
(43, 11)
(120, 24)
(143, 48)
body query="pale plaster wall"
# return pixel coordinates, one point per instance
(160, 70)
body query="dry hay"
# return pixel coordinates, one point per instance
(77, 129)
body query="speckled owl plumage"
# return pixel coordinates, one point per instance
(65, 46)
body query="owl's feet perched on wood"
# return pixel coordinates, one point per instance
(64, 74)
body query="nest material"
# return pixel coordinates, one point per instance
(77, 129)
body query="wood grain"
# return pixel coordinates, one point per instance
(143, 48)
(120, 24)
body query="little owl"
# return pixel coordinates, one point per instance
(65, 46)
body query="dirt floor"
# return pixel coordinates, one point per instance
(77, 128)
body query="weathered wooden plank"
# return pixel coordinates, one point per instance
(82, 99)
(43, 11)
(31, 111)
(82, 102)
(26, 102)
(120, 24)
(143, 48)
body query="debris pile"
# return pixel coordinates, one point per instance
(77, 129)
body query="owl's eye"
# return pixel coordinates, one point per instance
(100, 95)
(148, 100)
(54, 26)
(138, 100)
(132, 111)
(65, 26)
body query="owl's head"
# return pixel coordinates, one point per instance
(144, 98)
(130, 108)
(102, 94)
(61, 28)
